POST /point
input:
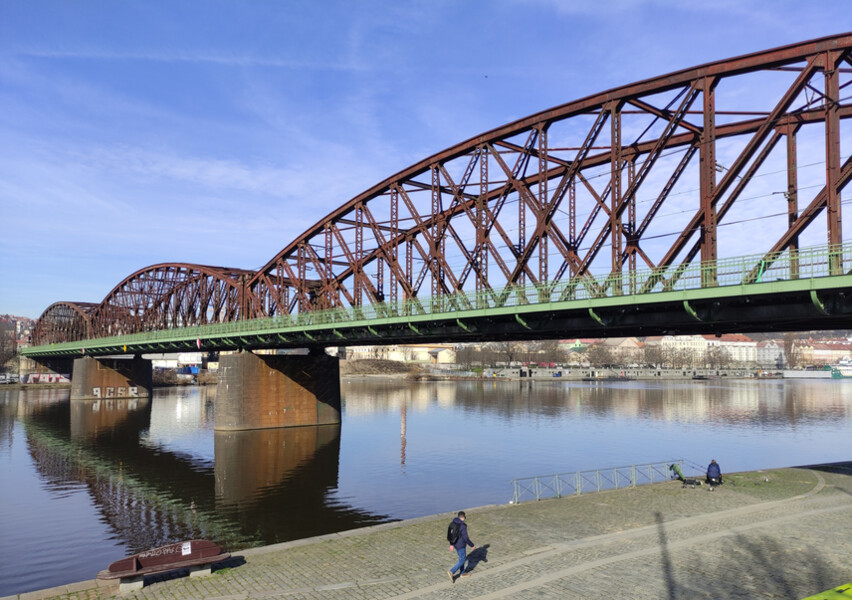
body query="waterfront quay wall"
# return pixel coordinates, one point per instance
(614, 373)
(775, 533)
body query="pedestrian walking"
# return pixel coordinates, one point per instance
(459, 541)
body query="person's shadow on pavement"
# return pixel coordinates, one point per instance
(477, 556)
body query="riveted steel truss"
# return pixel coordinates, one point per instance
(64, 322)
(649, 175)
(745, 156)
(171, 295)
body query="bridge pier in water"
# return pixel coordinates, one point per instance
(95, 378)
(262, 391)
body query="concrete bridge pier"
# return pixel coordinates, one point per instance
(261, 391)
(94, 378)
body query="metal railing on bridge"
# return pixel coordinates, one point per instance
(809, 263)
(573, 484)
(770, 270)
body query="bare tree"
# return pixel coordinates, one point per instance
(677, 358)
(791, 350)
(505, 352)
(8, 345)
(652, 355)
(599, 356)
(466, 356)
(688, 358)
(716, 357)
(547, 351)
(669, 357)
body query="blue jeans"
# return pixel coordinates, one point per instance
(459, 566)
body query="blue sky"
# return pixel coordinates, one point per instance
(213, 132)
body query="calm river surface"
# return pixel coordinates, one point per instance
(83, 484)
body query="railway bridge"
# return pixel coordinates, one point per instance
(707, 200)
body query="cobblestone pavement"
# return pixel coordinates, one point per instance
(771, 534)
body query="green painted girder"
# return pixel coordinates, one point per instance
(518, 313)
(255, 333)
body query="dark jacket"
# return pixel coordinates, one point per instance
(463, 539)
(713, 471)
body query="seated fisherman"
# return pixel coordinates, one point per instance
(714, 473)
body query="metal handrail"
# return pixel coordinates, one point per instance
(566, 484)
(810, 263)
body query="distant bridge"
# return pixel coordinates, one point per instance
(706, 200)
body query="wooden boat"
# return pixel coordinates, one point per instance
(192, 554)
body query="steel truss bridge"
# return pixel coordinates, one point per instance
(706, 200)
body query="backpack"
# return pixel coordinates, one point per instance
(453, 532)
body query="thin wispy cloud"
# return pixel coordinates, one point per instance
(132, 133)
(178, 56)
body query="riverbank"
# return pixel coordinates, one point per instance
(367, 368)
(388, 369)
(772, 533)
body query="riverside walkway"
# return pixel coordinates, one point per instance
(780, 533)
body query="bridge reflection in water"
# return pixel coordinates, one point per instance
(84, 483)
(266, 486)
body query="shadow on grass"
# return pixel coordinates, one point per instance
(760, 567)
(750, 566)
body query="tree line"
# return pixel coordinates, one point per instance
(504, 354)
(498, 354)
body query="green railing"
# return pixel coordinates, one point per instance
(807, 264)
(579, 482)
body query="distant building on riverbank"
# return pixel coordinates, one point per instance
(431, 354)
(823, 352)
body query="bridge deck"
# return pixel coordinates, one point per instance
(750, 294)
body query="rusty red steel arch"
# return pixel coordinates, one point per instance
(735, 157)
(170, 295)
(64, 322)
(645, 176)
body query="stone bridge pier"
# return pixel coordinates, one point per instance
(95, 378)
(261, 391)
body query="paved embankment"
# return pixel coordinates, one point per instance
(782, 533)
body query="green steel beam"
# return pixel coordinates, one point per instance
(691, 311)
(817, 303)
(595, 316)
(512, 303)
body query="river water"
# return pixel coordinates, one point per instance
(85, 483)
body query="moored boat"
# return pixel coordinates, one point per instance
(839, 371)
(193, 555)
